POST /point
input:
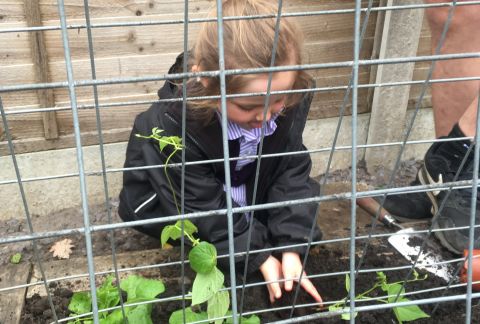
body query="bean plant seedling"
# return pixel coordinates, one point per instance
(402, 313)
(16, 258)
(208, 284)
(138, 289)
(176, 143)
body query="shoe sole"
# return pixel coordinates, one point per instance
(401, 219)
(424, 178)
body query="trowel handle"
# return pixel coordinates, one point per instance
(371, 206)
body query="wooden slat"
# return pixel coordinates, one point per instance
(11, 11)
(88, 138)
(24, 126)
(159, 63)
(141, 8)
(18, 51)
(12, 301)
(119, 41)
(148, 65)
(40, 62)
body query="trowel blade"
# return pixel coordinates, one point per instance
(428, 260)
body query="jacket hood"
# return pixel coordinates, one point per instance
(170, 88)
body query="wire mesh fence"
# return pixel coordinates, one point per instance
(355, 244)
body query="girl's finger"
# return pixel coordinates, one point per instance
(274, 291)
(310, 288)
(288, 282)
(270, 294)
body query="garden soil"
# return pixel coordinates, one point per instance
(334, 219)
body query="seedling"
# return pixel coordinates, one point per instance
(208, 284)
(176, 143)
(403, 313)
(138, 289)
(16, 258)
(191, 316)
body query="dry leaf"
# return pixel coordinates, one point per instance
(62, 249)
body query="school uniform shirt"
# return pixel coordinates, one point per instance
(248, 140)
(146, 194)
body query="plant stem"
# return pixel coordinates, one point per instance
(168, 179)
(191, 238)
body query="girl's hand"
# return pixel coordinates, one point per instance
(291, 268)
(271, 270)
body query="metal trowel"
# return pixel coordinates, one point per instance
(408, 243)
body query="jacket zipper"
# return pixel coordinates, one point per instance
(189, 135)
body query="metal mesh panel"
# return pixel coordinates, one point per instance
(355, 242)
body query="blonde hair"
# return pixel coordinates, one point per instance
(248, 43)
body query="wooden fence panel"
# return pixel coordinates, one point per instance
(123, 52)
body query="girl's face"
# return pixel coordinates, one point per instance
(247, 112)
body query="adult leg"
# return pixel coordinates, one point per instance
(450, 100)
(453, 102)
(467, 122)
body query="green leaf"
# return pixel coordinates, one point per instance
(116, 317)
(188, 227)
(107, 295)
(206, 285)
(162, 145)
(16, 258)
(174, 232)
(190, 316)
(169, 232)
(254, 319)
(344, 316)
(408, 313)
(156, 131)
(393, 290)
(382, 279)
(140, 314)
(347, 283)
(80, 303)
(176, 139)
(218, 305)
(138, 287)
(203, 257)
(415, 274)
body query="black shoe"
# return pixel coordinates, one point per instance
(440, 167)
(408, 207)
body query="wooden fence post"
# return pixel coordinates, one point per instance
(40, 61)
(401, 33)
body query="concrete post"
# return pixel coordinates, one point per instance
(401, 33)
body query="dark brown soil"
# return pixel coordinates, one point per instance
(331, 288)
(323, 259)
(126, 239)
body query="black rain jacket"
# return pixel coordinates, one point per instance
(146, 194)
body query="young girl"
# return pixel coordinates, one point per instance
(147, 193)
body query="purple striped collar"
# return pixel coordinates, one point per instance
(235, 131)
